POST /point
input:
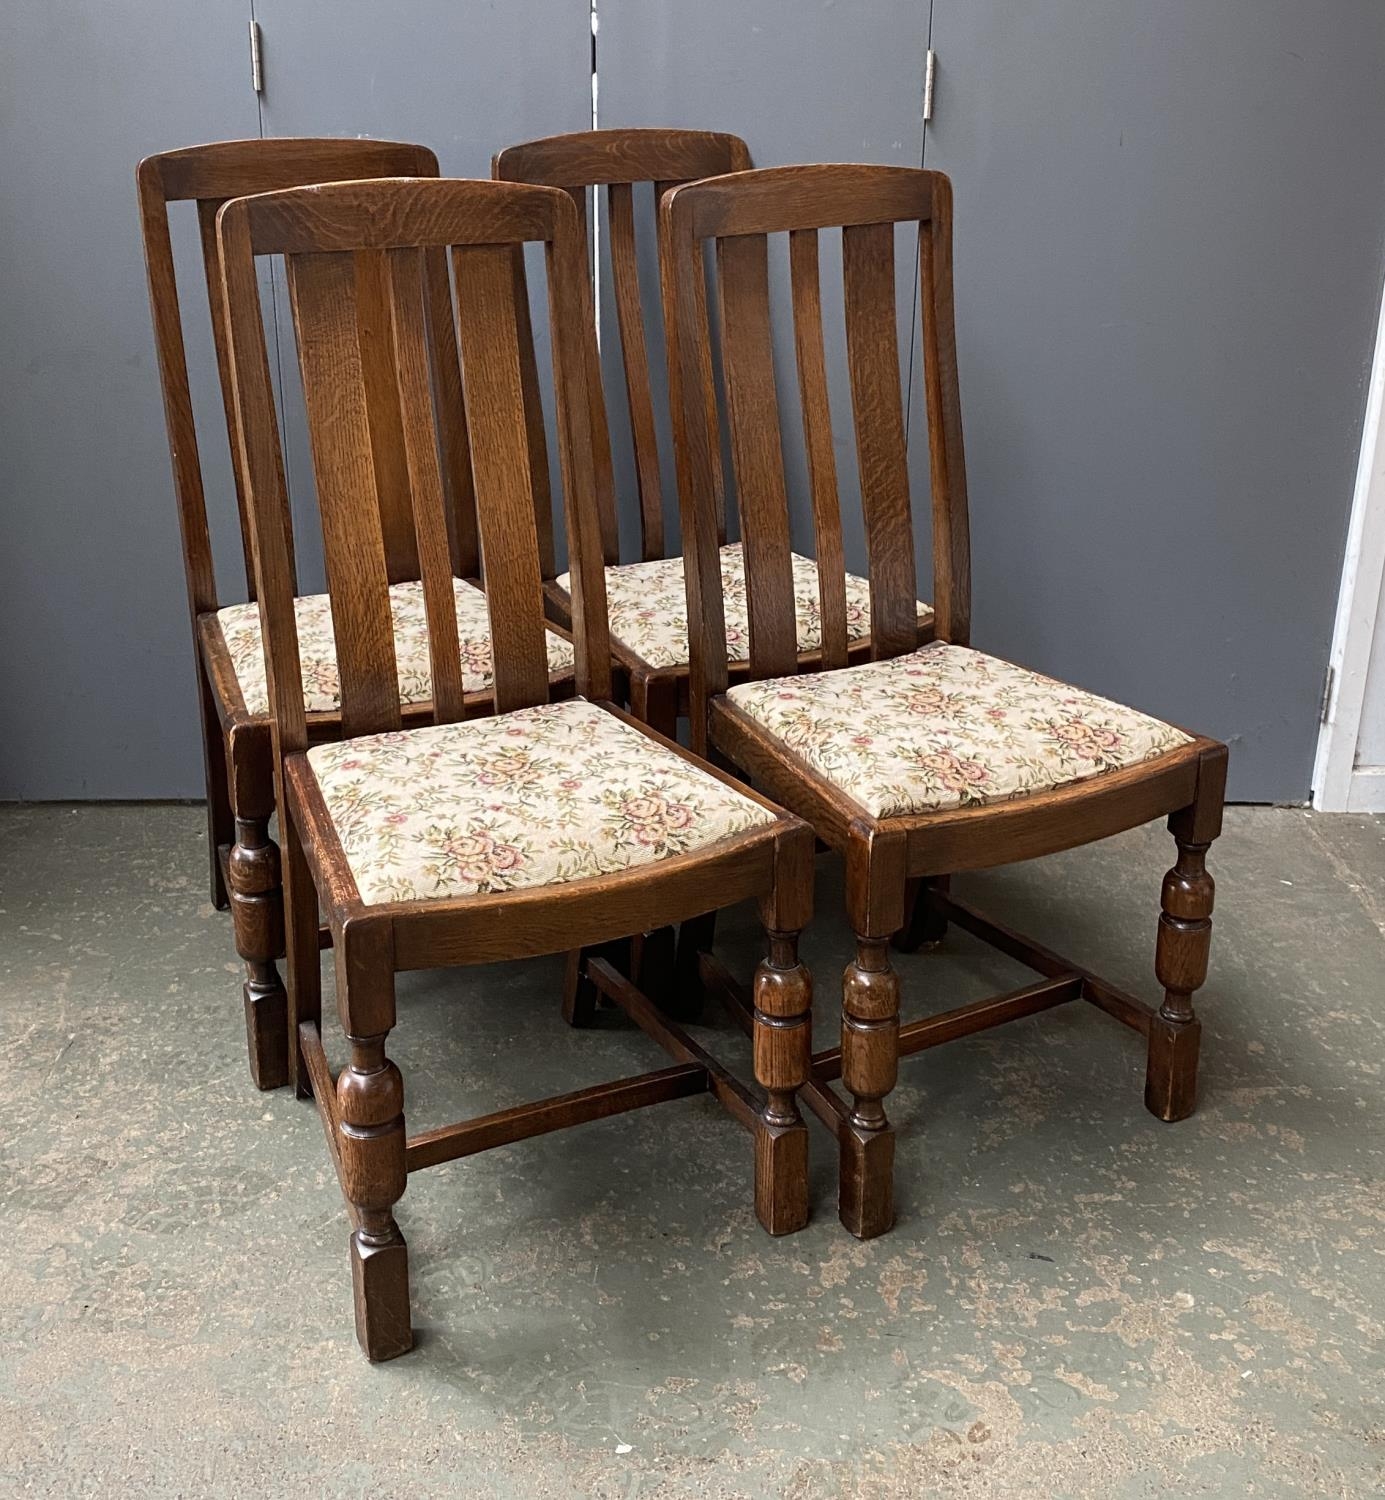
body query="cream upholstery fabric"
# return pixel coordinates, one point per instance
(946, 726)
(536, 797)
(240, 626)
(648, 608)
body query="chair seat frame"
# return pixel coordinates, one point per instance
(245, 863)
(332, 236)
(898, 869)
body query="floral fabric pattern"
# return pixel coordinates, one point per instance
(541, 796)
(648, 608)
(947, 727)
(317, 649)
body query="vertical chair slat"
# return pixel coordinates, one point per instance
(569, 335)
(757, 454)
(877, 401)
(817, 441)
(702, 312)
(947, 470)
(535, 431)
(451, 417)
(603, 467)
(697, 454)
(630, 316)
(323, 287)
(406, 277)
(487, 326)
(259, 451)
(375, 339)
(177, 395)
(207, 209)
(693, 289)
(619, 160)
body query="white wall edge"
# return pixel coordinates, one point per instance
(1357, 603)
(1367, 791)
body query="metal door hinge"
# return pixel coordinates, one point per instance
(929, 63)
(1329, 681)
(256, 59)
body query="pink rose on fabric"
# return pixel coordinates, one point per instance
(654, 819)
(1089, 742)
(955, 774)
(505, 769)
(927, 701)
(505, 857)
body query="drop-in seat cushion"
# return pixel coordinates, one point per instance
(240, 628)
(537, 797)
(946, 726)
(648, 608)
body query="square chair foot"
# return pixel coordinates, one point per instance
(267, 1033)
(380, 1284)
(1171, 1078)
(865, 1196)
(781, 1177)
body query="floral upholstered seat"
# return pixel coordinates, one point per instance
(648, 608)
(240, 628)
(536, 797)
(946, 727)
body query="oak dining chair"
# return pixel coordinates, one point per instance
(924, 761)
(231, 678)
(556, 823)
(646, 597)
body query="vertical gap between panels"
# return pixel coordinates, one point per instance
(596, 191)
(276, 322)
(918, 308)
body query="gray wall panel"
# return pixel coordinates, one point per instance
(96, 677)
(1170, 224)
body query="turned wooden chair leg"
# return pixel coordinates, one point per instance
(302, 953)
(257, 911)
(695, 937)
(581, 998)
(1180, 961)
(370, 1134)
(783, 1044)
(221, 822)
(579, 993)
(870, 1066)
(925, 925)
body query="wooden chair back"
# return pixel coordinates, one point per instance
(358, 257)
(739, 213)
(208, 176)
(619, 161)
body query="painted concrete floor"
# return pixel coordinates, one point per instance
(1077, 1300)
